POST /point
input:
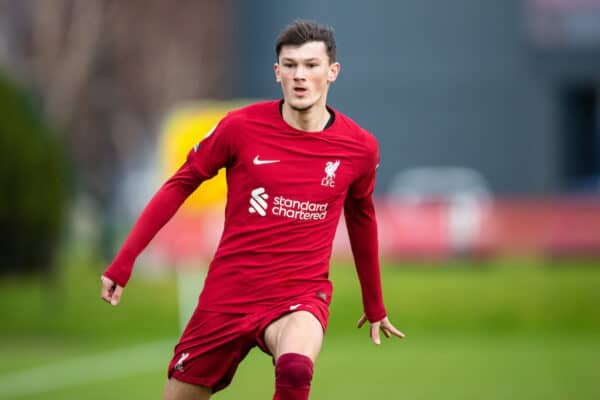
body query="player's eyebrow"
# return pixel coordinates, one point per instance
(288, 59)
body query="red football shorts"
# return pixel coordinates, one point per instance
(213, 343)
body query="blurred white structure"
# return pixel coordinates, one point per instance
(463, 191)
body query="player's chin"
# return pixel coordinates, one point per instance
(301, 105)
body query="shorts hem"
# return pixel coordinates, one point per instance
(192, 380)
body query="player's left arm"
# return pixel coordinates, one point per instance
(362, 231)
(359, 212)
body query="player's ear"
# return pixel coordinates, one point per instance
(334, 70)
(277, 72)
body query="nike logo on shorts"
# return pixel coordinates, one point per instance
(179, 364)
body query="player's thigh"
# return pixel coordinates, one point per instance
(298, 332)
(178, 390)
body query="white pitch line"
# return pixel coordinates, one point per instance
(87, 369)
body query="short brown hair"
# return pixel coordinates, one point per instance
(301, 31)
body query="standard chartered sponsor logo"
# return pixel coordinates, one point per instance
(258, 202)
(286, 207)
(295, 209)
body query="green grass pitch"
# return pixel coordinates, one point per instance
(494, 330)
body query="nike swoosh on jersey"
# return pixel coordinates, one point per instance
(258, 161)
(295, 306)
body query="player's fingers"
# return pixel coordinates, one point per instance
(399, 334)
(106, 297)
(116, 296)
(392, 329)
(375, 333)
(107, 289)
(361, 321)
(386, 332)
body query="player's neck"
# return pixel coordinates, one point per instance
(313, 119)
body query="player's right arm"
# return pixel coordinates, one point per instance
(203, 162)
(155, 215)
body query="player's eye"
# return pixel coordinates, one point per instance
(288, 65)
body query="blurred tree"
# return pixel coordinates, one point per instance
(107, 72)
(32, 178)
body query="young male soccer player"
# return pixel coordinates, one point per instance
(292, 166)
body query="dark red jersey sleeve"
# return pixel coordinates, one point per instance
(359, 212)
(155, 215)
(216, 150)
(212, 153)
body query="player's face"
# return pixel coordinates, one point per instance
(305, 74)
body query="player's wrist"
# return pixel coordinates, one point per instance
(117, 276)
(376, 316)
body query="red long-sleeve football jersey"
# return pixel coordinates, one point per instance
(286, 191)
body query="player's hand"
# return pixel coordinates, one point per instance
(385, 325)
(111, 292)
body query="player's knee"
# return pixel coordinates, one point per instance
(293, 370)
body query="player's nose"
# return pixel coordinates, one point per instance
(300, 72)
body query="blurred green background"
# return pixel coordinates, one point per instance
(496, 330)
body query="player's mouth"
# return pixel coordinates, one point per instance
(300, 91)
